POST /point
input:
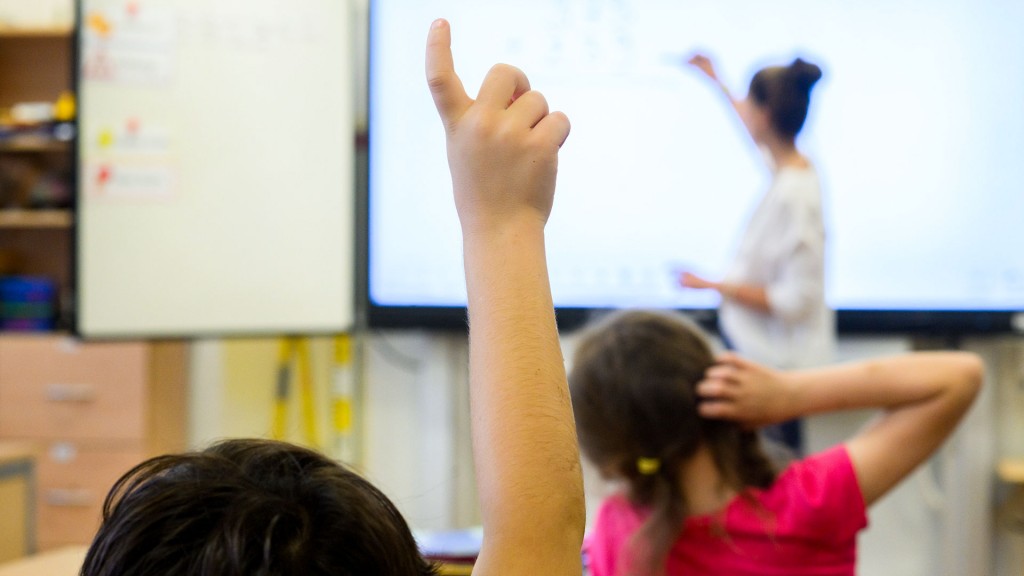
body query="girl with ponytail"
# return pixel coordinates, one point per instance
(676, 427)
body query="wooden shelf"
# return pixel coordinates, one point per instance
(36, 219)
(29, 33)
(34, 145)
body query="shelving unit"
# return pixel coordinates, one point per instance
(92, 410)
(34, 145)
(45, 32)
(17, 219)
(35, 66)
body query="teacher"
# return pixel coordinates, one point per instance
(773, 306)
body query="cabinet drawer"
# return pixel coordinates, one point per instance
(54, 387)
(73, 481)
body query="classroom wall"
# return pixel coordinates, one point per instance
(244, 374)
(412, 426)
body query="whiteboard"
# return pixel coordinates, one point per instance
(215, 167)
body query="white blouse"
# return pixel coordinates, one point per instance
(783, 250)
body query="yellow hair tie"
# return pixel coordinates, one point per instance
(648, 466)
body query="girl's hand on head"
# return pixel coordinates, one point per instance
(743, 391)
(502, 147)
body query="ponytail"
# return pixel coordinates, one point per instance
(660, 491)
(755, 468)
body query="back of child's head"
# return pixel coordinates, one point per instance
(250, 507)
(633, 385)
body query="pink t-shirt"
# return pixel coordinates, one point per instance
(805, 524)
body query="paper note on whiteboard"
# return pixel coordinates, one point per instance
(129, 44)
(133, 136)
(132, 159)
(130, 181)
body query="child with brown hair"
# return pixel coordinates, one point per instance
(656, 410)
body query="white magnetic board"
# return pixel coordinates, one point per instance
(215, 167)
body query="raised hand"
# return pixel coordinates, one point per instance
(503, 156)
(502, 147)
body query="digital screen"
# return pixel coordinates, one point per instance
(916, 130)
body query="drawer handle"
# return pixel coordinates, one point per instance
(71, 393)
(69, 497)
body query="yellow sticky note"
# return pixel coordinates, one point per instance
(100, 24)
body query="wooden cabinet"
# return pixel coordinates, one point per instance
(94, 410)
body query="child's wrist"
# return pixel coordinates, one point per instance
(502, 225)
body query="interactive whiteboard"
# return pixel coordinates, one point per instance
(215, 167)
(916, 129)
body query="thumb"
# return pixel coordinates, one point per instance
(450, 97)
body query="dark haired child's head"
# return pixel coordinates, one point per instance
(781, 95)
(633, 386)
(250, 507)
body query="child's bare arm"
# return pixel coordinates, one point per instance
(503, 154)
(923, 397)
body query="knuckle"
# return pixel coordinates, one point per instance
(436, 82)
(503, 69)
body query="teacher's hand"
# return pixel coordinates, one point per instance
(690, 280)
(704, 64)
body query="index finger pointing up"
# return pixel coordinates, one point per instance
(450, 97)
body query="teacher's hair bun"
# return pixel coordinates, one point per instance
(804, 74)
